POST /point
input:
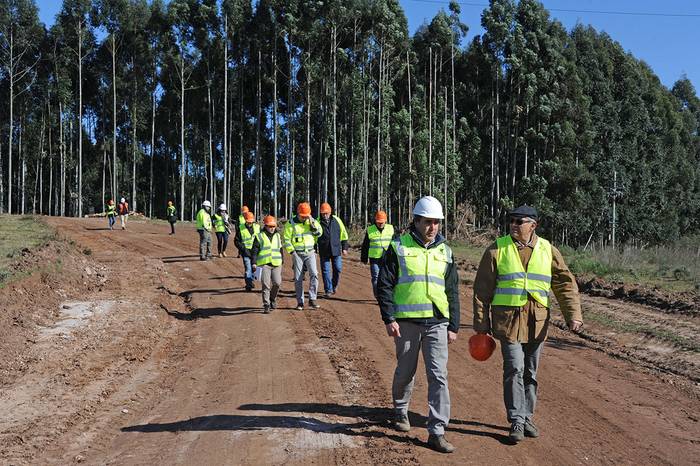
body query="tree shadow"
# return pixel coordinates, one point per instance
(205, 313)
(97, 229)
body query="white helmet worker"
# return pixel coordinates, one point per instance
(206, 204)
(222, 207)
(122, 200)
(429, 207)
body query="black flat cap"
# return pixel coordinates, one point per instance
(524, 211)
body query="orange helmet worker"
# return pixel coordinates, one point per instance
(304, 210)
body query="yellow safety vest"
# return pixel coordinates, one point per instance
(513, 283)
(203, 220)
(299, 237)
(421, 280)
(111, 210)
(379, 241)
(247, 237)
(219, 224)
(270, 250)
(171, 211)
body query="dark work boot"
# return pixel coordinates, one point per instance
(531, 429)
(517, 432)
(401, 423)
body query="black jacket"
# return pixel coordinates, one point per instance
(329, 243)
(388, 277)
(238, 241)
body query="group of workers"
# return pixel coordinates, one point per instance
(122, 209)
(415, 281)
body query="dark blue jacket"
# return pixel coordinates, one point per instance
(329, 243)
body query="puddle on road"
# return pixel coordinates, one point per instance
(74, 314)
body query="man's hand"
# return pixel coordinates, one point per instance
(392, 329)
(254, 267)
(575, 325)
(451, 337)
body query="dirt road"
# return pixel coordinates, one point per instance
(157, 358)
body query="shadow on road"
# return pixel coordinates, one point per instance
(368, 417)
(205, 313)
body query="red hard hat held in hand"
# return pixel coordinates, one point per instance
(481, 346)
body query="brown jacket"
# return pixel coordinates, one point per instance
(531, 321)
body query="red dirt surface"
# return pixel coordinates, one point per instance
(138, 353)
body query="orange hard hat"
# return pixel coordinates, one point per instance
(380, 216)
(304, 209)
(481, 346)
(326, 208)
(270, 221)
(244, 209)
(249, 217)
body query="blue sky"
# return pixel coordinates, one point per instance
(667, 43)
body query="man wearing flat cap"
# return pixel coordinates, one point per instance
(511, 302)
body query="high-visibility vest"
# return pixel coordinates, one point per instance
(421, 280)
(203, 220)
(379, 241)
(270, 250)
(247, 237)
(343, 231)
(299, 237)
(513, 283)
(170, 211)
(111, 210)
(241, 220)
(219, 225)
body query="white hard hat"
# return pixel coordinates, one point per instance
(222, 207)
(429, 207)
(206, 204)
(122, 200)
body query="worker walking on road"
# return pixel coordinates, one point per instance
(267, 253)
(377, 240)
(123, 209)
(418, 296)
(245, 234)
(171, 213)
(300, 235)
(241, 217)
(204, 230)
(511, 302)
(331, 244)
(111, 214)
(222, 229)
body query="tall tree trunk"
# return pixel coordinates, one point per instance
(80, 117)
(274, 128)
(379, 128)
(335, 127)
(410, 135)
(133, 146)
(308, 134)
(210, 109)
(225, 144)
(257, 205)
(430, 121)
(23, 170)
(11, 122)
(182, 137)
(115, 187)
(153, 143)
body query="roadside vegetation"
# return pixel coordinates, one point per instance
(18, 234)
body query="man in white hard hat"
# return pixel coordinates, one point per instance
(204, 230)
(221, 226)
(123, 209)
(418, 295)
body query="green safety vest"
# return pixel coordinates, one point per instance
(219, 225)
(379, 241)
(421, 280)
(513, 284)
(203, 220)
(111, 210)
(299, 237)
(170, 211)
(247, 237)
(241, 220)
(270, 250)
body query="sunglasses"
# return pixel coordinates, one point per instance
(520, 221)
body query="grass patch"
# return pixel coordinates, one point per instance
(18, 233)
(631, 327)
(467, 251)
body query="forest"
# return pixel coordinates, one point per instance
(274, 102)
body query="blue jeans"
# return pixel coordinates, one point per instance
(520, 362)
(330, 283)
(248, 271)
(112, 221)
(374, 272)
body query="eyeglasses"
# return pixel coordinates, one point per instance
(520, 221)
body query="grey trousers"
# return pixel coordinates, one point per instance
(300, 262)
(271, 278)
(433, 341)
(520, 362)
(204, 243)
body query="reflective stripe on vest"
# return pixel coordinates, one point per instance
(270, 251)
(513, 283)
(421, 281)
(247, 237)
(379, 241)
